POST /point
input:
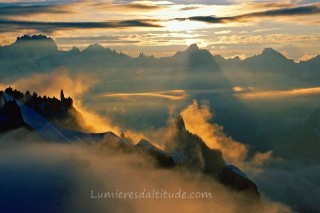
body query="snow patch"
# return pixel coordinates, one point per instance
(179, 157)
(236, 170)
(148, 145)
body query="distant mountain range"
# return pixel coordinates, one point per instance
(39, 53)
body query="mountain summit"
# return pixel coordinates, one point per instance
(269, 60)
(196, 59)
(40, 43)
(271, 53)
(28, 49)
(94, 48)
(33, 38)
(193, 48)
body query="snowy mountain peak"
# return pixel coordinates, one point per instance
(193, 47)
(94, 48)
(271, 52)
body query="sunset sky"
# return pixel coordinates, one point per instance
(226, 27)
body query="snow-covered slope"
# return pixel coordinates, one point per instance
(236, 170)
(39, 123)
(82, 137)
(179, 157)
(148, 145)
(162, 158)
(51, 133)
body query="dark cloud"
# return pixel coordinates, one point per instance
(272, 5)
(127, 6)
(206, 2)
(142, 6)
(309, 1)
(189, 8)
(208, 19)
(304, 10)
(26, 10)
(53, 26)
(137, 23)
(296, 11)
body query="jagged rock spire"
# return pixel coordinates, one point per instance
(62, 95)
(179, 123)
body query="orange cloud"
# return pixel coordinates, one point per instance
(139, 6)
(281, 93)
(197, 120)
(76, 86)
(168, 94)
(51, 83)
(237, 89)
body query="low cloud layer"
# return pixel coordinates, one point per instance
(50, 178)
(294, 183)
(291, 182)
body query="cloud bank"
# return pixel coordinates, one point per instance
(50, 178)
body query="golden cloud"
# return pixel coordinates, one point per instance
(197, 120)
(173, 95)
(281, 93)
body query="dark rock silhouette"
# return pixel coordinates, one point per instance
(162, 158)
(198, 156)
(234, 178)
(60, 112)
(190, 151)
(10, 115)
